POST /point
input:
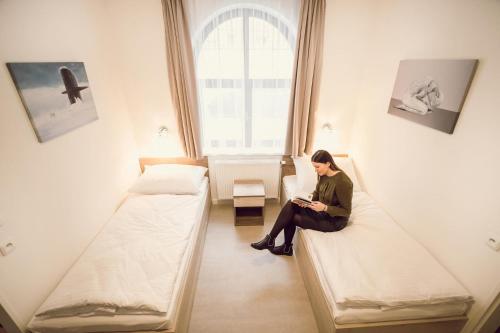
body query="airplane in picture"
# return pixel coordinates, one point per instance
(71, 85)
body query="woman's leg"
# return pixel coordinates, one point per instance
(308, 219)
(283, 221)
(319, 221)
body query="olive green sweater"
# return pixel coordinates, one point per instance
(336, 193)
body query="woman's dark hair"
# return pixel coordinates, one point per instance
(322, 156)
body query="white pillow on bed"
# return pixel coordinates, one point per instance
(345, 163)
(170, 179)
(307, 177)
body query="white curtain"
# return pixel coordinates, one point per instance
(244, 56)
(202, 11)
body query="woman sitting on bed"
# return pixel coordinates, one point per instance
(329, 210)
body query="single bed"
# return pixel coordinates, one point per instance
(179, 223)
(335, 266)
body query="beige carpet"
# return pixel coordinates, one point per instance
(244, 290)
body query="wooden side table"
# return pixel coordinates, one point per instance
(249, 198)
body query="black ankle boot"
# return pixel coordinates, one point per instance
(283, 250)
(266, 243)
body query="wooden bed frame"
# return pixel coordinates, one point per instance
(143, 161)
(182, 314)
(324, 313)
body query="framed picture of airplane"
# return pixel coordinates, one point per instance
(56, 96)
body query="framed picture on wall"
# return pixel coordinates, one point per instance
(432, 92)
(56, 96)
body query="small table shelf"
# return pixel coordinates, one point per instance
(248, 200)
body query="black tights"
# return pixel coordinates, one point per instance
(292, 216)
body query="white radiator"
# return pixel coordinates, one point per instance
(225, 171)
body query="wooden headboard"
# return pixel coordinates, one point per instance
(171, 160)
(288, 168)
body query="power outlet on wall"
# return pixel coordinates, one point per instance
(6, 243)
(494, 242)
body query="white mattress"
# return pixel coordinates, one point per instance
(351, 315)
(289, 186)
(355, 264)
(129, 322)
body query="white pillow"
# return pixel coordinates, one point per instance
(345, 163)
(170, 179)
(307, 177)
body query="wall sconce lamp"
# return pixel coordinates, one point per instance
(163, 131)
(327, 138)
(327, 127)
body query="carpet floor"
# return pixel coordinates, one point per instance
(244, 290)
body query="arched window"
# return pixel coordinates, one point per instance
(244, 63)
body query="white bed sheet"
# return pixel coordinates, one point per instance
(345, 314)
(349, 267)
(352, 315)
(374, 262)
(130, 322)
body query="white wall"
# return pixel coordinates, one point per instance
(441, 188)
(139, 37)
(347, 25)
(55, 196)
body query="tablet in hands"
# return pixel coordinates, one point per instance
(300, 200)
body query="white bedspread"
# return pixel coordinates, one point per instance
(131, 266)
(373, 262)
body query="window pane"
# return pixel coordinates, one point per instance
(270, 116)
(222, 117)
(270, 53)
(221, 55)
(270, 69)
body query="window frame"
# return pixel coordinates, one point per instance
(245, 12)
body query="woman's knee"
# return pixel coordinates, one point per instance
(290, 205)
(341, 224)
(298, 221)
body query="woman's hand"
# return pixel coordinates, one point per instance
(317, 206)
(300, 204)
